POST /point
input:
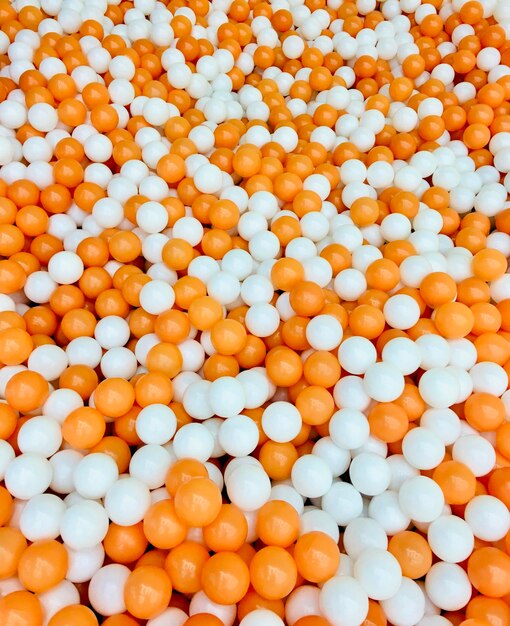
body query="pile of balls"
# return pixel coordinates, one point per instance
(254, 312)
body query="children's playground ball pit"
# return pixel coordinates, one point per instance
(254, 313)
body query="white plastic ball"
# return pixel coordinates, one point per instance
(403, 353)
(421, 498)
(439, 388)
(281, 421)
(248, 487)
(357, 354)
(94, 475)
(311, 476)
(324, 332)
(41, 516)
(475, 452)
(84, 525)
(401, 311)
(450, 538)
(156, 297)
(349, 428)
(448, 586)
(106, 589)
(445, 423)
(487, 517)
(40, 435)
(127, 501)
(83, 564)
(156, 424)
(407, 606)
(385, 509)
(193, 441)
(226, 396)
(343, 502)
(65, 267)
(370, 473)
(56, 598)
(28, 475)
(422, 448)
(383, 382)
(238, 436)
(343, 601)
(378, 572)
(150, 464)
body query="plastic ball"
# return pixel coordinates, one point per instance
(343, 601)
(365, 571)
(84, 525)
(448, 586)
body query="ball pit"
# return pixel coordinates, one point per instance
(254, 313)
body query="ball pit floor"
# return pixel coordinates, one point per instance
(254, 312)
